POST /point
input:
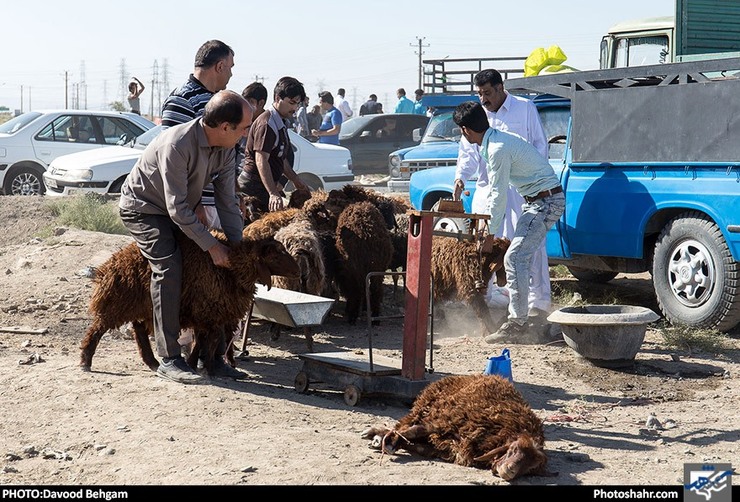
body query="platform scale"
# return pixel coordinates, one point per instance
(360, 374)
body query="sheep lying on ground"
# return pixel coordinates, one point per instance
(364, 246)
(213, 299)
(471, 420)
(461, 270)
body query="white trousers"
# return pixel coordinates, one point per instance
(539, 274)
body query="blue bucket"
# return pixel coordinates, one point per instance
(500, 365)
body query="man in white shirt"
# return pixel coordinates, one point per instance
(510, 113)
(342, 105)
(513, 162)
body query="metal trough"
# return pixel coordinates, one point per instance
(290, 308)
(284, 307)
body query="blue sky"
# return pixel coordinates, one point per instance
(362, 46)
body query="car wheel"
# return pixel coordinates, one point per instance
(313, 182)
(695, 275)
(589, 275)
(115, 187)
(25, 181)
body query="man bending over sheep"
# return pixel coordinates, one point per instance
(511, 160)
(158, 200)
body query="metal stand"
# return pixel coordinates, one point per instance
(381, 375)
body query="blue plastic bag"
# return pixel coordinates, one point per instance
(500, 365)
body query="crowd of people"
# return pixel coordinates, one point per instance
(218, 144)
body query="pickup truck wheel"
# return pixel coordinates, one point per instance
(454, 225)
(695, 276)
(589, 275)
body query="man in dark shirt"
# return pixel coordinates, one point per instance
(212, 72)
(269, 153)
(371, 106)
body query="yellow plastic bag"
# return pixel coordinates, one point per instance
(541, 58)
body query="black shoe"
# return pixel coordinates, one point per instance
(508, 332)
(223, 370)
(177, 370)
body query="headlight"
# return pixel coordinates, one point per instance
(78, 174)
(394, 162)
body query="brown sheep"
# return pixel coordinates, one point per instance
(302, 242)
(461, 270)
(213, 300)
(252, 206)
(364, 245)
(269, 223)
(471, 420)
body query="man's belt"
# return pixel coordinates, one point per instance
(543, 194)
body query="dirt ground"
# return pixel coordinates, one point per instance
(120, 424)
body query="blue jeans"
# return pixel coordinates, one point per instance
(537, 218)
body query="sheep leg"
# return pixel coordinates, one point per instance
(206, 346)
(195, 351)
(141, 335)
(478, 303)
(376, 430)
(354, 303)
(90, 344)
(309, 338)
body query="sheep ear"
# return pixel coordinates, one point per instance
(264, 275)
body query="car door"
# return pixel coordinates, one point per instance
(406, 126)
(374, 143)
(64, 134)
(115, 130)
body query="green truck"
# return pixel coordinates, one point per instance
(706, 29)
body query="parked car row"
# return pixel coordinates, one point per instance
(103, 171)
(32, 140)
(60, 152)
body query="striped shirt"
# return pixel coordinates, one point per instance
(183, 105)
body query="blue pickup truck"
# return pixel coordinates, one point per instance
(650, 165)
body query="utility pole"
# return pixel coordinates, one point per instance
(155, 80)
(83, 84)
(419, 53)
(21, 99)
(123, 82)
(258, 78)
(66, 89)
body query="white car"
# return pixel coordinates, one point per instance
(318, 165)
(31, 141)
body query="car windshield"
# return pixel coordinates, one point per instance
(441, 128)
(352, 125)
(17, 123)
(144, 139)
